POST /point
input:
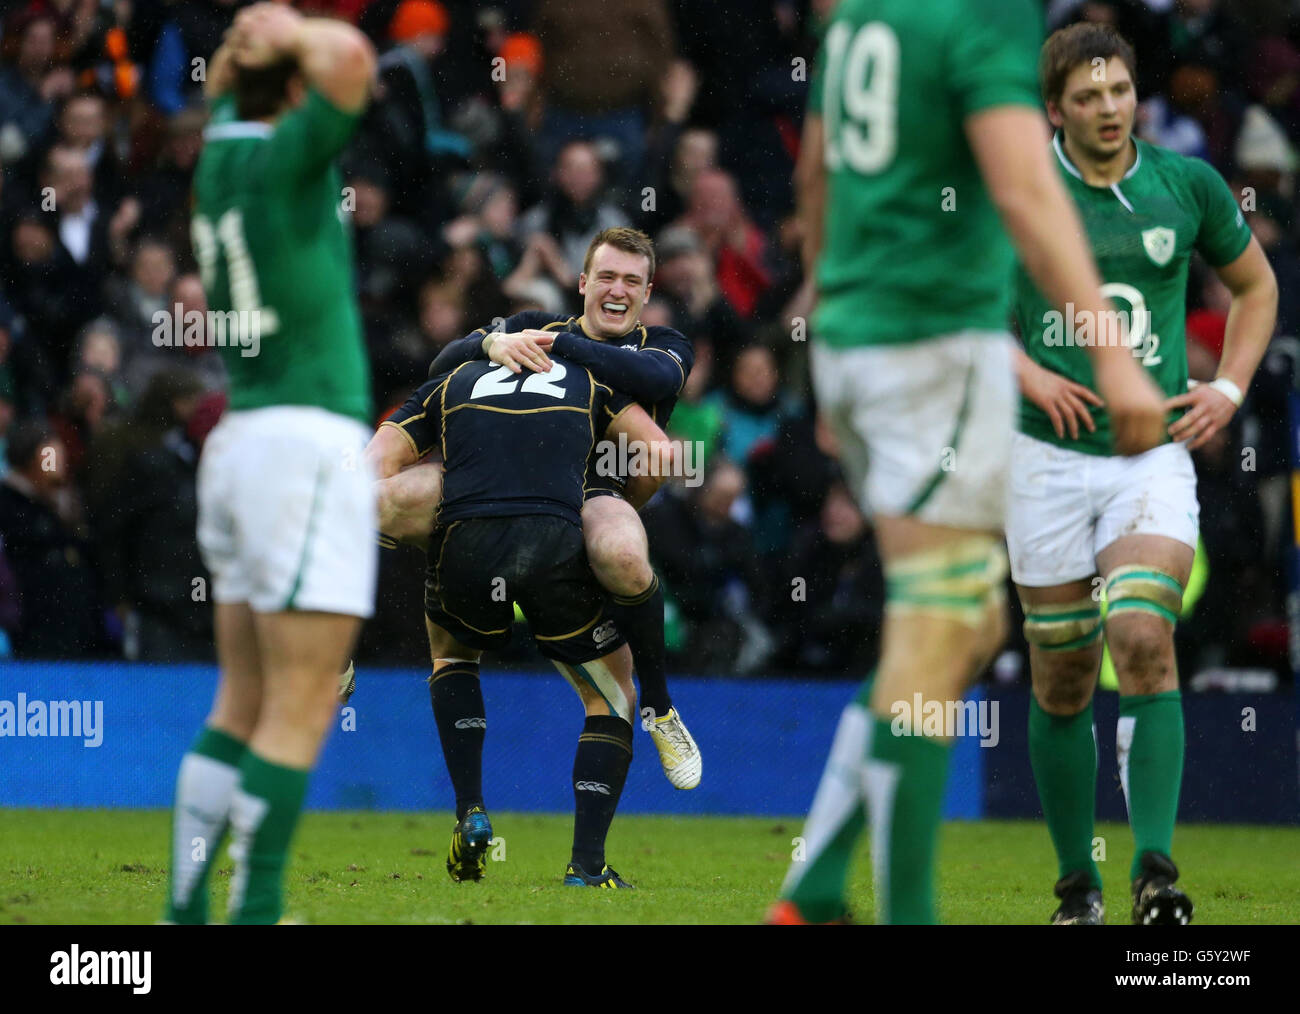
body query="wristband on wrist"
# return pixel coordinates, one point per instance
(1229, 390)
(487, 343)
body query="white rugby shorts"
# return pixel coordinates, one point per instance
(1067, 506)
(287, 514)
(924, 428)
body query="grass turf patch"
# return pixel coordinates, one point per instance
(110, 866)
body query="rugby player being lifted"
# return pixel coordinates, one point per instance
(651, 365)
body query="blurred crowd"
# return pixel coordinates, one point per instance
(504, 134)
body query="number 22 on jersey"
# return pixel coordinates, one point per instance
(503, 381)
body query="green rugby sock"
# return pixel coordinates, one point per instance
(204, 787)
(905, 778)
(1150, 744)
(263, 816)
(818, 877)
(1063, 754)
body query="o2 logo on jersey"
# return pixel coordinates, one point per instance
(1145, 343)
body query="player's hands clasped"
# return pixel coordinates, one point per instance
(522, 349)
(1137, 414)
(1065, 402)
(1208, 411)
(263, 32)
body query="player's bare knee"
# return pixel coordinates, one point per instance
(1064, 681)
(1142, 648)
(1065, 652)
(1145, 602)
(620, 563)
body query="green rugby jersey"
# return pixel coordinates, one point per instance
(1142, 232)
(270, 242)
(913, 247)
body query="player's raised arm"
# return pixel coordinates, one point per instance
(221, 73)
(335, 58)
(1010, 146)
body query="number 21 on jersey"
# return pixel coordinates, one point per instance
(241, 273)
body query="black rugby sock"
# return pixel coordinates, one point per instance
(458, 709)
(599, 771)
(640, 618)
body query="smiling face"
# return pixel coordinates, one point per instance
(614, 288)
(1096, 110)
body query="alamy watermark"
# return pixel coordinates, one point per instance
(181, 328)
(946, 719)
(633, 458)
(74, 719)
(1086, 329)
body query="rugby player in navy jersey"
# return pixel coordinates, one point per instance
(508, 529)
(651, 365)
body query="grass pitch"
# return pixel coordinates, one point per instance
(110, 866)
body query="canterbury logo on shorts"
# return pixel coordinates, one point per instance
(471, 723)
(600, 787)
(605, 632)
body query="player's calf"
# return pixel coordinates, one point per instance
(942, 622)
(301, 655)
(619, 555)
(992, 634)
(938, 601)
(1145, 599)
(1065, 655)
(601, 762)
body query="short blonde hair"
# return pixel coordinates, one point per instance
(622, 238)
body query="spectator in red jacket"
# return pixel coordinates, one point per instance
(737, 246)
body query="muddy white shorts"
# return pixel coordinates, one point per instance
(1067, 506)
